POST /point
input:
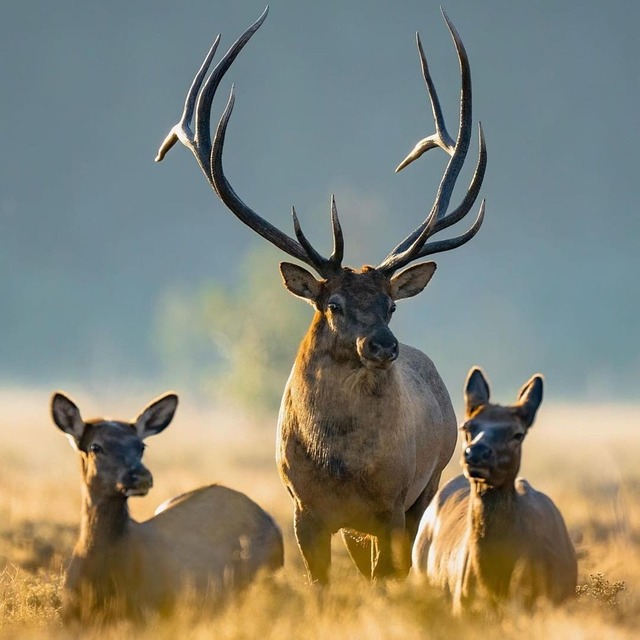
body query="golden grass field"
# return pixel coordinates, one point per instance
(584, 457)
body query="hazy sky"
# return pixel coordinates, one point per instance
(329, 99)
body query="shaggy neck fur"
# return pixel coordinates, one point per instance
(338, 400)
(323, 360)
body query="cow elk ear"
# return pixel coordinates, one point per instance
(67, 418)
(529, 400)
(156, 416)
(300, 282)
(412, 280)
(476, 390)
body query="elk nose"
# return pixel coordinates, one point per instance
(140, 477)
(477, 454)
(381, 346)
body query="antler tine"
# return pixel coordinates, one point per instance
(412, 246)
(182, 129)
(200, 102)
(463, 208)
(318, 261)
(441, 137)
(452, 243)
(322, 265)
(205, 99)
(338, 239)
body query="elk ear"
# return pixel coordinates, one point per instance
(476, 390)
(412, 280)
(66, 416)
(299, 281)
(529, 399)
(156, 416)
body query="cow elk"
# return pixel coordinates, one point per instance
(366, 424)
(488, 535)
(208, 543)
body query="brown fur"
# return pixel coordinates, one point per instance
(207, 543)
(488, 534)
(360, 447)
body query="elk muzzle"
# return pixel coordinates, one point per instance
(135, 481)
(379, 349)
(478, 461)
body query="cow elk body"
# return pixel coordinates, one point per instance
(488, 534)
(209, 542)
(366, 424)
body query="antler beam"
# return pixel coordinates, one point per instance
(198, 102)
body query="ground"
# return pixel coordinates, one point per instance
(583, 456)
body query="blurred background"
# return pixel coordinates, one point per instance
(116, 271)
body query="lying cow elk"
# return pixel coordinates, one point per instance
(488, 534)
(366, 424)
(208, 542)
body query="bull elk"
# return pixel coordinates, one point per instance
(209, 542)
(488, 534)
(366, 424)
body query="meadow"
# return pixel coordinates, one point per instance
(583, 456)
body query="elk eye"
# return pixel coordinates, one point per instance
(392, 308)
(334, 307)
(518, 437)
(95, 448)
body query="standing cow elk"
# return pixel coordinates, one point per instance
(488, 534)
(366, 424)
(210, 542)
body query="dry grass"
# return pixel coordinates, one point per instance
(584, 457)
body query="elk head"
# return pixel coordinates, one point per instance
(494, 434)
(111, 452)
(354, 306)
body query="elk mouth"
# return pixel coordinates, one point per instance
(477, 473)
(378, 364)
(136, 491)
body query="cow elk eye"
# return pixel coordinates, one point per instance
(334, 307)
(518, 437)
(392, 308)
(95, 448)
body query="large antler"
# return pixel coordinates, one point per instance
(413, 246)
(199, 100)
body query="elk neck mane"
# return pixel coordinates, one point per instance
(323, 366)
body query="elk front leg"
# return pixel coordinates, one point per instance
(391, 549)
(314, 540)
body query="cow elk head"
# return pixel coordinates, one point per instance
(493, 434)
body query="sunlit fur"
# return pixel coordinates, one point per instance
(211, 541)
(361, 446)
(488, 534)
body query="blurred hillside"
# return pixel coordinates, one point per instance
(98, 243)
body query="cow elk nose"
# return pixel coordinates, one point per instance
(140, 476)
(478, 454)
